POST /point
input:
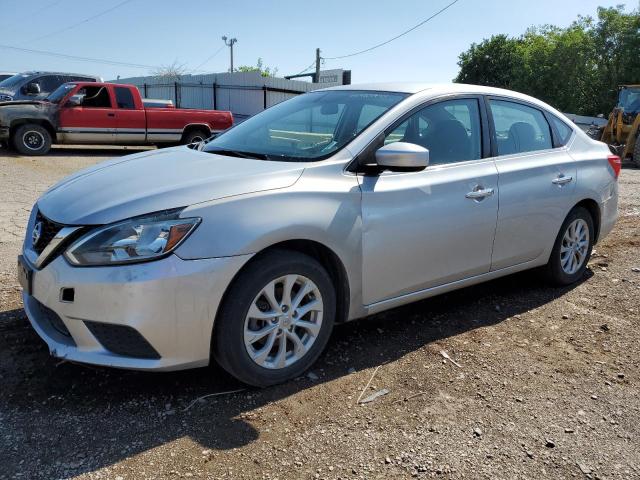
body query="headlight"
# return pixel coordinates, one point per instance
(135, 240)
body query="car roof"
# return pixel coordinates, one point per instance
(438, 89)
(59, 73)
(415, 87)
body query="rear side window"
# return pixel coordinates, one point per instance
(563, 130)
(75, 78)
(519, 128)
(124, 98)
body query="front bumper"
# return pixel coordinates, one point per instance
(171, 303)
(4, 133)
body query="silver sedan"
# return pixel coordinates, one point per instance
(331, 206)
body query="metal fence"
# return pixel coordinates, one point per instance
(244, 94)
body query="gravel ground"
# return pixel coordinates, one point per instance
(541, 383)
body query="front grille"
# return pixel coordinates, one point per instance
(48, 231)
(122, 340)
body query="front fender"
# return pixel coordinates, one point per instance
(320, 207)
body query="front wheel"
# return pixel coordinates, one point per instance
(636, 153)
(275, 320)
(195, 136)
(572, 249)
(32, 139)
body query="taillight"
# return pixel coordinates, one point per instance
(616, 164)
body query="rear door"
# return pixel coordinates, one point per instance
(433, 227)
(130, 118)
(91, 122)
(537, 179)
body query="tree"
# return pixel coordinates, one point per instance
(490, 63)
(260, 68)
(576, 69)
(171, 72)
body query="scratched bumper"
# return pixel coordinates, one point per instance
(171, 303)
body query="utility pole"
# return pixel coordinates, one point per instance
(230, 43)
(317, 76)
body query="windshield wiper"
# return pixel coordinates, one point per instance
(238, 153)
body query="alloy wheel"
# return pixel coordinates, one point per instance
(574, 247)
(283, 321)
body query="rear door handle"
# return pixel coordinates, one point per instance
(561, 180)
(111, 114)
(478, 193)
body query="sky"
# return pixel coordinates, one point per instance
(285, 34)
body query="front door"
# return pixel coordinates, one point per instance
(429, 228)
(93, 121)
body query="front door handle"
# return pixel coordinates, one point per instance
(478, 193)
(561, 180)
(111, 114)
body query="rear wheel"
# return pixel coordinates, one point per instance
(32, 139)
(195, 136)
(276, 319)
(572, 249)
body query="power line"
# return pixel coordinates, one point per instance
(78, 58)
(31, 15)
(313, 64)
(209, 58)
(72, 26)
(397, 36)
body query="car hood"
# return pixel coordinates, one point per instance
(15, 103)
(158, 180)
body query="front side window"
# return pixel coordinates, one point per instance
(519, 128)
(124, 98)
(49, 83)
(306, 128)
(94, 97)
(450, 130)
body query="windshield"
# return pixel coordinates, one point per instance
(629, 99)
(15, 81)
(60, 92)
(309, 127)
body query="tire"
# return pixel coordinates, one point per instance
(32, 139)
(234, 323)
(565, 268)
(195, 136)
(636, 153)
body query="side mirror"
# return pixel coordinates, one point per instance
(32, 89)
(74, 101)
(402, 157)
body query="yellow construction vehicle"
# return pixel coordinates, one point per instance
(623, 128)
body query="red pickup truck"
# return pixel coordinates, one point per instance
(102, 113)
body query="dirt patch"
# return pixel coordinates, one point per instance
(546, 384)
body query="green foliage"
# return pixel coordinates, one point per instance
(577, 69)
(260, 68)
